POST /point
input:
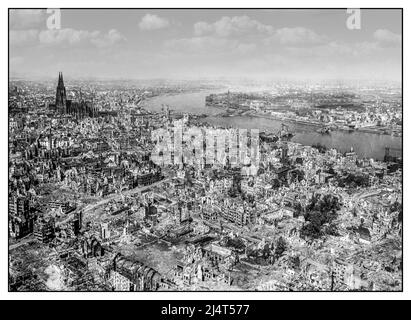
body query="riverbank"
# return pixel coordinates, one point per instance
(366, 144)
(379, 131)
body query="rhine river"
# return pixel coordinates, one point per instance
(364, 144)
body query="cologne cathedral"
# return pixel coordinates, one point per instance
(78, 108)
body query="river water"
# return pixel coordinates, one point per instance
(364, 144)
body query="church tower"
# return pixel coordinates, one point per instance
(61, 98)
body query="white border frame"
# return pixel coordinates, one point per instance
(406, 294)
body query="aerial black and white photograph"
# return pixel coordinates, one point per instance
(189, 149)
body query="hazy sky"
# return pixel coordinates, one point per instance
(295, 44)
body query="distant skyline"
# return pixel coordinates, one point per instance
(189, 44)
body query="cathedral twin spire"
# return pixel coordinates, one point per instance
(64, 106)
(61, 92)
(61, 79)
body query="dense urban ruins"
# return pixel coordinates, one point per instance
(206, 185)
